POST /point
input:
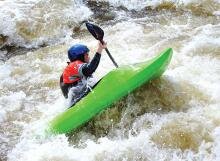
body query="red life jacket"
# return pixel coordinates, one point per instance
(71, 72)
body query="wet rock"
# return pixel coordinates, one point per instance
(102, 11)
(3, 40)
(10, 51)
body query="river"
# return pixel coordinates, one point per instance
(175, 118)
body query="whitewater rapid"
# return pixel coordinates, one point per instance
(176, 117)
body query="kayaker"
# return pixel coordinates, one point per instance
(73, 81)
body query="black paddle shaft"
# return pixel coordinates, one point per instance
(98, 33)
(110, 56)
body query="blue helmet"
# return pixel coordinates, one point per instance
(77, 51)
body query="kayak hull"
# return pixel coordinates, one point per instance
(116, 84)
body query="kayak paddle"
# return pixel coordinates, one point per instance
(98, 34)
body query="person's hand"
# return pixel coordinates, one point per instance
(101, 47)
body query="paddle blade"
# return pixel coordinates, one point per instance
(96, 31)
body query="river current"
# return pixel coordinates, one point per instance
(175, 117)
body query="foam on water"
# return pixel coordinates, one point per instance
(2, 115)
(138, 147)
(216, 148)
(33, 23)
(206, 6)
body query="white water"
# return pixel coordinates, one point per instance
(206, 5)
(31, 23)
(174, 118)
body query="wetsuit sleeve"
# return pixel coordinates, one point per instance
(88, 68)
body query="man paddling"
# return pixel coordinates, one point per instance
(73, 81)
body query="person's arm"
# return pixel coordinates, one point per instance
(89, 68)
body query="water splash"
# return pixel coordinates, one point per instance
(36, 23)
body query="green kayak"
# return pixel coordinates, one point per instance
(116, 84)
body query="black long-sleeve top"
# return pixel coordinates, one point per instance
(88, 68)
